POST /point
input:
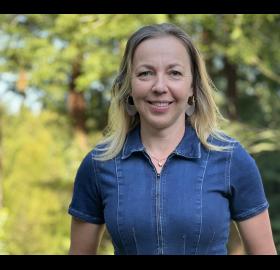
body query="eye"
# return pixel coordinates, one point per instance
(145, 74)
(175, 73)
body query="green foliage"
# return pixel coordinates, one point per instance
(32, 164)
(39, 168)
(3, 220)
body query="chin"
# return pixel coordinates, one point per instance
(157, 124)
(162, 122)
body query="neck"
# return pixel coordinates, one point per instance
(161, 142)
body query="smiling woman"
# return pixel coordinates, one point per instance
(166, 180)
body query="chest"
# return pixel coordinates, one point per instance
(183, 207)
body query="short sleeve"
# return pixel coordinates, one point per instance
(247, 196)
(86, 201)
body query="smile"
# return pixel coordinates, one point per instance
(159, 107)
(160, 104)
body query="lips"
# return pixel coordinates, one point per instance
(162, 103)
(159, 106)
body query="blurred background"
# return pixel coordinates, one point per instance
(55, 77)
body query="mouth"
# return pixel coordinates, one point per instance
(160, 104)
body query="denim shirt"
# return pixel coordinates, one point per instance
(186, 209)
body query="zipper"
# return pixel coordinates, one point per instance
(158, 204)
(158, 214)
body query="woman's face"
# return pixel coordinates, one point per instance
(161, 81)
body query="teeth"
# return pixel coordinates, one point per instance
(160, 104)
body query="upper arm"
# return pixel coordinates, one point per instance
(257, 235)
(87, 203)
(246, 192)
(85, 237)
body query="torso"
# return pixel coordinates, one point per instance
(178, 209)
(183, 207)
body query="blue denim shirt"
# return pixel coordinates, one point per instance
(186, 209)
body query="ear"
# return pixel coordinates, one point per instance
(191, 91)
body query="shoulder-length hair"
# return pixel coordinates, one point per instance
(205, 117)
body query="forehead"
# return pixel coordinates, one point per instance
(164, 49)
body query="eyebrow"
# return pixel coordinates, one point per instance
(151, 67)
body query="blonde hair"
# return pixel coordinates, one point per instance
(205, 118)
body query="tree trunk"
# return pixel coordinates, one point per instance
(77, 107)
(230, 71)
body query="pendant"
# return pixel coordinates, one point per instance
(159, 164)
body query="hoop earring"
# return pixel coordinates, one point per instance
(130, 107)
(191, 108)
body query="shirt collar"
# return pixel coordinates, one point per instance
(189, 147)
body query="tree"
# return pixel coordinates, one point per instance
(67, 57)
(240, 51)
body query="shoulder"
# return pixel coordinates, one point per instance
(241, 159)
(236, 152)
(97, 150)
(96, 155)
(240, 163)
(89, 158)
(87, 163)
(220, 138)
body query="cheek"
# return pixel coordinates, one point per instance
(138, 98)
(182, 93)
(139, 90)
(188, 90)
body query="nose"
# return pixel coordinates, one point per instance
(159, 86)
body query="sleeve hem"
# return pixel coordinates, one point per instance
(85, 217)
(251, 213)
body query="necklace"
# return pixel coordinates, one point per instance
(159, 161)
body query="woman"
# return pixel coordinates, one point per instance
(165, 180)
